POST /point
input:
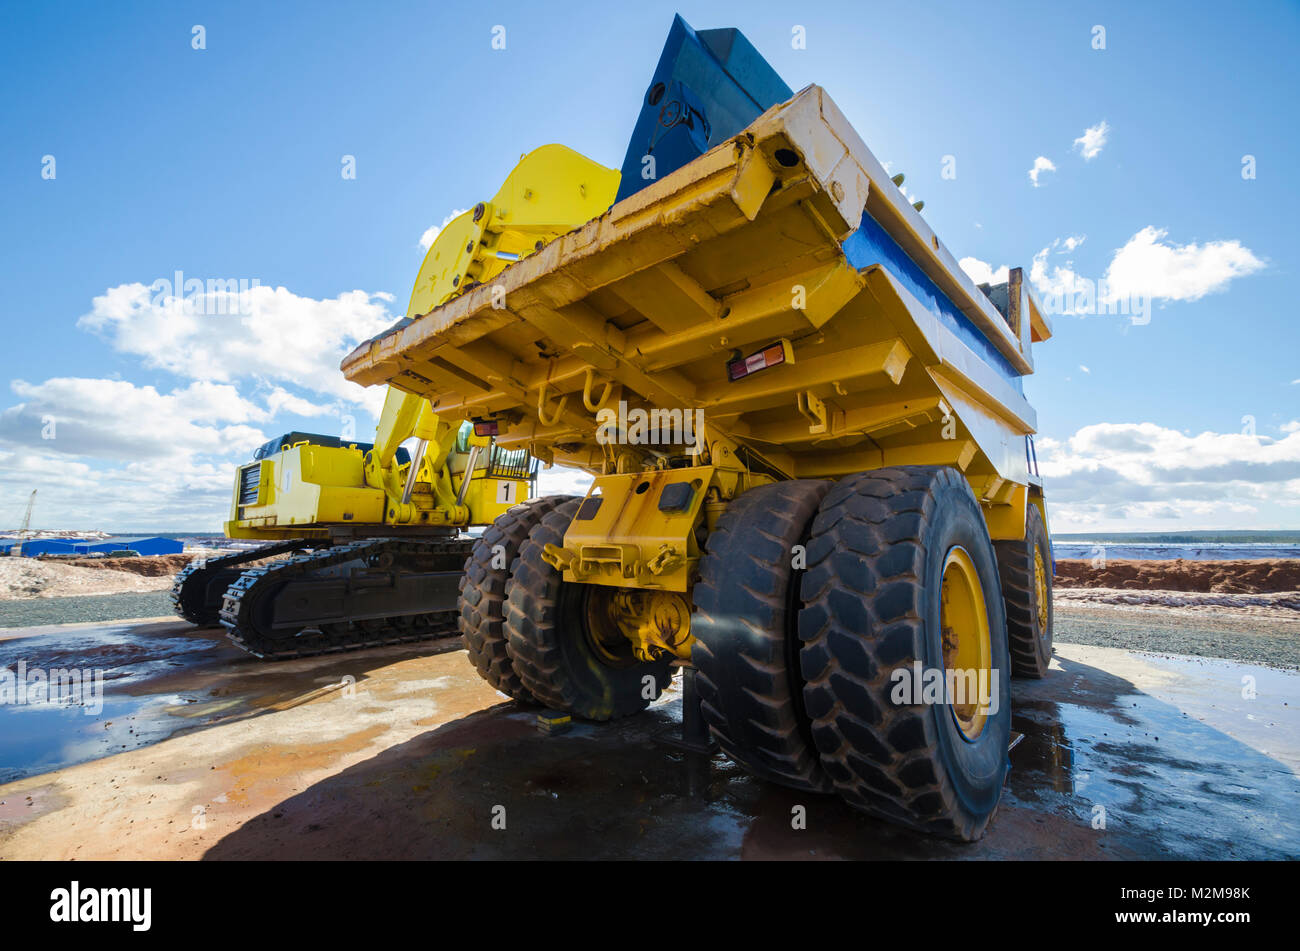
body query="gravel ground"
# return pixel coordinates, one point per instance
(30, 612)
(1250, 639)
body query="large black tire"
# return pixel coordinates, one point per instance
(483, 592)
(546, 623)
(1028, 637)
(746, 647)
(871, 607)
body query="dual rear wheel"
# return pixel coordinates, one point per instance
(539, 639)
(849, 637)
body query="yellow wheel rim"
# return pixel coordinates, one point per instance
(967, 646)
(1040, 589)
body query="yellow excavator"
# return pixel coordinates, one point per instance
(363, 538)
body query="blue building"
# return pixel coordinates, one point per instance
(49, 546)
(153, 545)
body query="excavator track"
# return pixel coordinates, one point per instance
(339, 599)
(197, 590)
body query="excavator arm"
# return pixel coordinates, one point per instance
(550, 192)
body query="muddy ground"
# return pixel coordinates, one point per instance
(201, 752)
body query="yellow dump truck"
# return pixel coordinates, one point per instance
(813, 481)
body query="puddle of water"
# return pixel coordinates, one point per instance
(1190, 762)
(37, 738)
(43, 728)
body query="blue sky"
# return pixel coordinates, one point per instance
(225, 163)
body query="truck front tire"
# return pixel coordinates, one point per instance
(902, 577)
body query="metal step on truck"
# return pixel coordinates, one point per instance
(813, 483)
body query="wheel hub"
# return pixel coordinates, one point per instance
(967, 645)
(1040, 590)
(653, 623)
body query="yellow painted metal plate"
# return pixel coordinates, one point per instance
(627, 536)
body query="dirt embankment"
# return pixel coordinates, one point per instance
(151, 566)
(34, 578)
(1261, 576)
(72, 577)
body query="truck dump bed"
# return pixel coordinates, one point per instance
(786, 251)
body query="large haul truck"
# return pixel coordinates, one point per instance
(813, 481)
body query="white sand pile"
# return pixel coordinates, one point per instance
(31, 578)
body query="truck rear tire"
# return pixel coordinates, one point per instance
(746, 649)
(555, 651)
(901, 572)
(1026, 569)
(483, 593)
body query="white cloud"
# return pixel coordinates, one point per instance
(1041, 164)
(281, 400)
(121, 456)
(1093, 140)
(1056, 282)
(282, 337)
(558, 480)
(983, 273)
(1149, 267)
(111, 455)
(1121, 474)
(145, 495)
(119, 420)
(431, 233)
(114, 455)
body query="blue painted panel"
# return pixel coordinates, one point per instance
(707, 87)
(871, 244)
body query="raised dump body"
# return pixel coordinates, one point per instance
(812, 470)
(762, 243)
